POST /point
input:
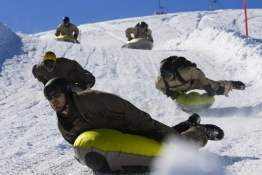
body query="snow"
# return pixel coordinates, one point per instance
(215, 40)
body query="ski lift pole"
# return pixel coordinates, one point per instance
(245, 10)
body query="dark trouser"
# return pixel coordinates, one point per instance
(196, 136)
(220, 87)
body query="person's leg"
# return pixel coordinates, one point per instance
(192, 120)
(197, 136)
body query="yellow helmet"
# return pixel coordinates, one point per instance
(49, 56)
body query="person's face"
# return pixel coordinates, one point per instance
(49, 65)
(142, 30)
(66, 23)
(168, 76)
(50, 69)
(57, 100)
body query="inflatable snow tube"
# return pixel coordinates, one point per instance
(108, 150)
(194, 102)
(139, 43)
(67, 38)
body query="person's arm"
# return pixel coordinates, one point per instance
(129, 31)
(197, 74)
(118, 107)
(57, 32)
(81, 75)
(149, 35)
(160, 85)
(37, 75)
(76, 31)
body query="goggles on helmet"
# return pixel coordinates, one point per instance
(166, 74)
(49, 64)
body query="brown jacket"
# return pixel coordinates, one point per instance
(195, 79)
(66, 30)
(70, 70)
(98, 109)
(137, 34)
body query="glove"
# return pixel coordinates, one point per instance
(151, 40)
(44, 82)
(82, 84)
(211, 92)
(158, 135)
(173, 94)
(56, 34)
(130, 38)
(75, 36)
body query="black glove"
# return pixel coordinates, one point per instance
(44, 82)
(151, 40)
(158, 135)
(56, 34)
(211, 92)
(129, 39)
(173, 94)
(75, 36)
(82, 84)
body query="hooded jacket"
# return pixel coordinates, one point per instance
(70, 70)
(66, 30)
(138, 34)
(95, 109)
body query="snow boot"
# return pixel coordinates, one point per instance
(238, 85)
(193, 120)
(213, 132)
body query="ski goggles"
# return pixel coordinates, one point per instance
(56, 94)
(49, 64)
(166, 74)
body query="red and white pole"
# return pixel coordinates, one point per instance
(245, 9)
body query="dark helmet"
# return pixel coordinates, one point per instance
(166, 68)
(143, 25)
(66, 19)
(58, 84)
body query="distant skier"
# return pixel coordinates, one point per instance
(67, 28)
(71, 70)
(80, 112)
(141, 30)
(180, 75)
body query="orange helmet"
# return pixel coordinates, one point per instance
(49, 56)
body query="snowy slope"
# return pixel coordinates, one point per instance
(215, 40)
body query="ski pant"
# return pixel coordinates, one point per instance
(194, 136)
(220, 87)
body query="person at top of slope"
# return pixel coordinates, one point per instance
(180, 75)
(67, 28)
(81, 112)
(141, 30)
(71, 70)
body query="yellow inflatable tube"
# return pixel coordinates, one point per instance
(109, 150)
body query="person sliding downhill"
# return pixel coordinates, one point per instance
(67, 28)
(141, 30)
(51, 67)
(180, 75)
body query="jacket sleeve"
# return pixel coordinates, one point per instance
(81, 73)
(197, 74)
(129, 31)
(149, 35)
(58, 31)
(37, 76)
(136, 117)
(76, 30)
(160, 85)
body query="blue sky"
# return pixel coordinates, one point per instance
(32, 16)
